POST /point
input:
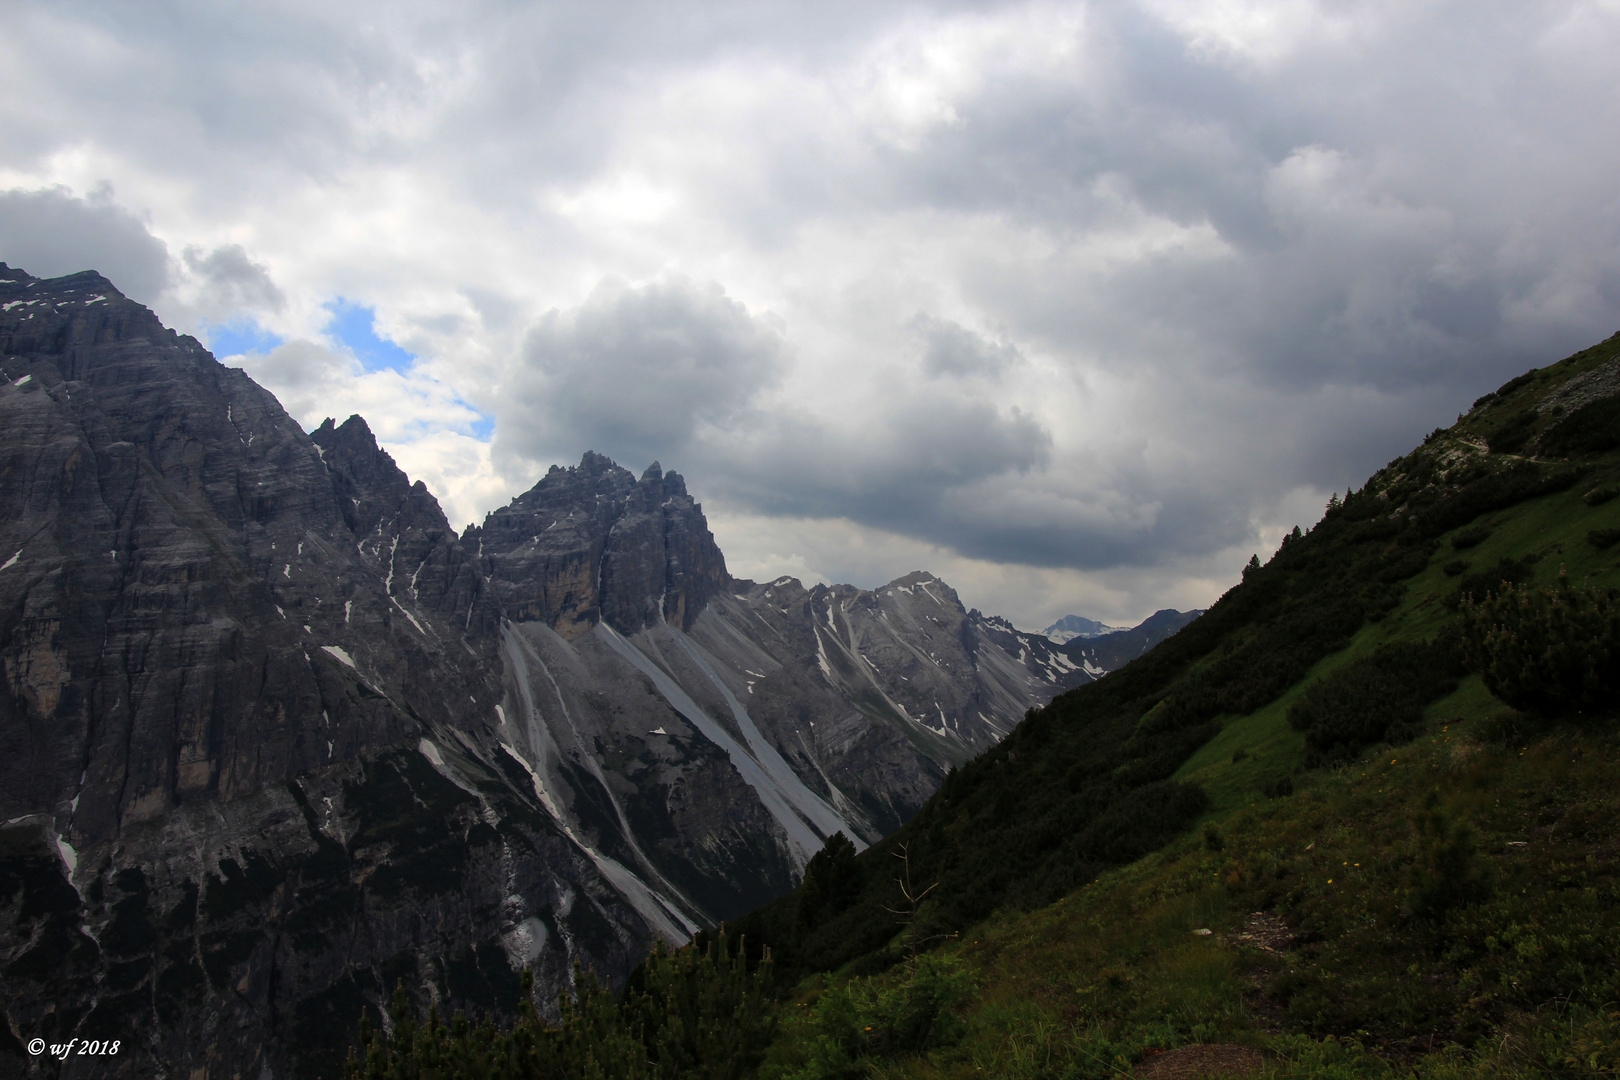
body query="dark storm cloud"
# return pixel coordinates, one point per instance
(952, 349)
(1215, 254)
(676, 371)
(636, 372)
(233, 281)
(892, 463)
(51, 232)
(1358, 256)
(1413, 206)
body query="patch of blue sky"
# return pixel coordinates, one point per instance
(453, 416)
(355, 327)
(239, 336)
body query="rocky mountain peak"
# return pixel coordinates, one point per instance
(84, 322)
(594, 464)
(593, 544)
(1071, 627)
(399, 527)
(369, 484)
(927, 585)
(182, 558)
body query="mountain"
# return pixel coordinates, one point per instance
(276, 737)
(1355, 820)
(1097, 654)
(238, 726)
(1070, 627)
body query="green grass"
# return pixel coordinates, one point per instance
(1520, 983)
(1469, 699)
(1271, 748)
(1553, 527)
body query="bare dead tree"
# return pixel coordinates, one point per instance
(908, 914)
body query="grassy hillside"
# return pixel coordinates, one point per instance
(1326, 949)
(1378, 772)
(1111, 770)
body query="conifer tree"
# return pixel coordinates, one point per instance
(692, 1012)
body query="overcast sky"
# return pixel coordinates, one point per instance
(1075, 305)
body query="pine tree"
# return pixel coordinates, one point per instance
(686, 1013)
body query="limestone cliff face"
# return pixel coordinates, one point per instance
(876, 694)
(401, 532)
(273, 736)
(178, 564)
(591, 544)
(243, 763)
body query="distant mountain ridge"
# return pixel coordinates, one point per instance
(1099, 654)
(275, 736)
(1070, 627)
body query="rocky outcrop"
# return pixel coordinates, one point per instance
(636, 664)
(179, 576)
(401, 532)
(592, 544)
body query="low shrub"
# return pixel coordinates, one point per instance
(1547, 651)
(1506, 572)
(1508, 726)
(1449, 872)
(865, 1021)
(1594, 428)
(1513, 384)
(1497, 490)
(1603, 539)
(1512, 434)
(1379, 699)
(1278, 788)
(696, 1012)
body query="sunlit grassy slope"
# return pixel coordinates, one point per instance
(1441, 903)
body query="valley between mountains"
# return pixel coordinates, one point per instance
(276, 737)
(300, 782)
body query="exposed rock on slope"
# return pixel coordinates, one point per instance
(592, 544)
(638, 670)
